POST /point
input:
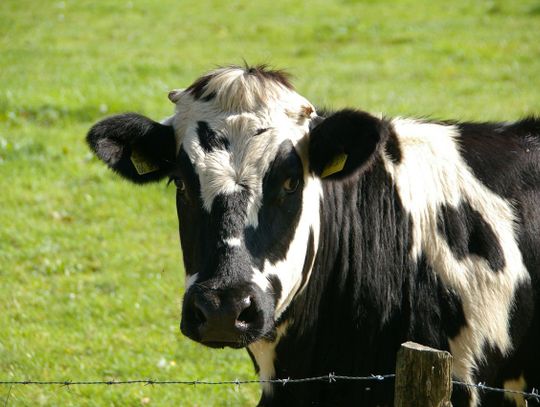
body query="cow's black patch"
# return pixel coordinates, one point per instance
(504, 156)
(263, 73)
(261, 131)
(434, 311)
(228, 214)
(280, 211)
(393, 148)
(310, 253)
(198, 88)
(191, 217)
(275, 283)
(452, 314)
(209, 97)
(255, 364)
(468, 233)
(208, 138)
(354, 133)
(118, 139)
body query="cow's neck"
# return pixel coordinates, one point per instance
(354, 290)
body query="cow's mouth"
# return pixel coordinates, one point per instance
(218, 339)
(221, 344)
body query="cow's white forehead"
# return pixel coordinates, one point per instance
(255, 114)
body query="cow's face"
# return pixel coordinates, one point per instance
(247, 205)
(248, 184)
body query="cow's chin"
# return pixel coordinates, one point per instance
(221, 345)
(220, 342)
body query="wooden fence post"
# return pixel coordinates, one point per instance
(423, 377)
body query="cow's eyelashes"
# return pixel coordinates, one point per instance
(291, 185)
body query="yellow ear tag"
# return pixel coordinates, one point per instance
(141, 165)
(336, 165)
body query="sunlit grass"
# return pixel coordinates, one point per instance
(90, 268)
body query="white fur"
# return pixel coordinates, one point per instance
(264, 353)
(224, 172)
(233, 242)
(518, 384)
(260, 279)
(289, 270)
(190, 280)
(432, 173)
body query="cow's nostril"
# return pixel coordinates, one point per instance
(200, 318)
(248, 314)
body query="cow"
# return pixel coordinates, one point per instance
(322, 240)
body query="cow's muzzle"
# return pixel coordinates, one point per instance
(222, 317)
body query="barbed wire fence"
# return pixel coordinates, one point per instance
(330, 378)
(533, 395)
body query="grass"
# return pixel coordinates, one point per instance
(90, 267)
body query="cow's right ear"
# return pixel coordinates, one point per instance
(345, 143)
(136, 147)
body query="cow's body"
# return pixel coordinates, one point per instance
(367, 294)
(430, 232)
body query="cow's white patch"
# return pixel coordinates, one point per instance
(264, 353)
(518, 384)
(249, 156)
(190, 280)
(260, 279)
(289, 270)
(233, 242)
(432, 173)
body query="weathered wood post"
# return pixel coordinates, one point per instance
(423, 377)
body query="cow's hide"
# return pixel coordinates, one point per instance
(321, 241)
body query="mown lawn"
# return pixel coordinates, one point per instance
(90, 268)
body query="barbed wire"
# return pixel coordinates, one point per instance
(533, 395)
(330, 378)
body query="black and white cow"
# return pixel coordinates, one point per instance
(321, 242)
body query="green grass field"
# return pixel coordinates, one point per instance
(90, 267)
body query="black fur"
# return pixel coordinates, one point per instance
(393, 149)
(355, 133)
(280, 212)
(198, 88)
(208, 138)
(467, 233)
(365, 287)
(225, 268)
(263, 73)
(364, 298)
(275, 283)
(114, 140)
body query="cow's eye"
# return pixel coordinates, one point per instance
(290, 185)
(179, 183)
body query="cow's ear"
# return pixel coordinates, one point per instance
(344, 143)
(136, 147)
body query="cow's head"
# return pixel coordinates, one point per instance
(246, 153)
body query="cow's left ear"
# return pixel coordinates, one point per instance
(345, 142)
(138, 148)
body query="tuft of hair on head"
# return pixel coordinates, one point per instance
(241, 88)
